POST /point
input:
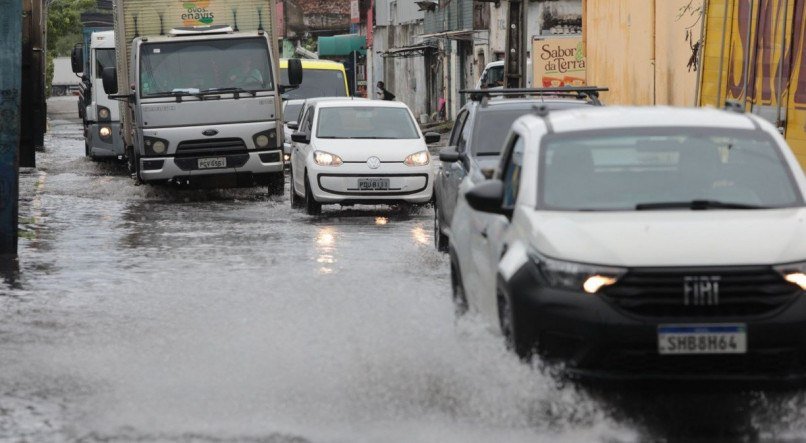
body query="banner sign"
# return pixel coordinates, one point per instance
(558, 61)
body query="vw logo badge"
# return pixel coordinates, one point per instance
(374, 163)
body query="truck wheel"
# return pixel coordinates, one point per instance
(312, 207)
(440, 239)
(296, 201)
(519, 336)
(276, 183)
(86, 149)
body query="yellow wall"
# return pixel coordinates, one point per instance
(638, 49)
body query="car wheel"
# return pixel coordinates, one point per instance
(458, 289)
(518, 335)
(312, 207)
(296, 201)
(276, 183)
(440, 239)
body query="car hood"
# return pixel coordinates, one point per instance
(672, 238)
(359, 150)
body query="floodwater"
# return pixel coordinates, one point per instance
(153, 314)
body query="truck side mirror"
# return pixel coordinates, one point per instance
(77, 58)
(110, 80)
(294, 71)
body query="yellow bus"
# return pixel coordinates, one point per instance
(320, 78)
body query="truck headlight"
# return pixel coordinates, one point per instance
(265, 139)
(573, 276)
(155, 146)
(103, 113)
(105, 132)
(418, 159)
(794, 273)
(323, 158)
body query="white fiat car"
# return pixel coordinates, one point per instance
(359, 152)
(641, 243)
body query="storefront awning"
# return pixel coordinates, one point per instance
(409, 51)
(464, 34)
(340, 45)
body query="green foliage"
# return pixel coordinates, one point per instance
(64, 30)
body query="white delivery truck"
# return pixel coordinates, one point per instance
(100, 114)
(200, 99)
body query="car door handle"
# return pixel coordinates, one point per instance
(484, 232)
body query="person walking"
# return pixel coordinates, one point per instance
(382, 94)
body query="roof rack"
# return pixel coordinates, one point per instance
(589, 92)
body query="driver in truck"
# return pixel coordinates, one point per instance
(245, 72)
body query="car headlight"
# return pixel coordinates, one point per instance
(265, 139)
(418, 159)
(103, 113)
(105, 132)
(155, 146)
(159, 147)
(262, 141)
(323, 158)
(794, 273)
(573, 276)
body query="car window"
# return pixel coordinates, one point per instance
(632, 169)
(291, 112)
(367, 122)
(512, 172)
(457, 128)
(307, 122)
(464, 136)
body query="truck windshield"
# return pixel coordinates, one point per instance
(366, 122)
(664, 168)
(104, 58)
(316, 83)
(167, 68)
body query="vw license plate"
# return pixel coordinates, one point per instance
(702, 339)
(373, 184)
(210, 163)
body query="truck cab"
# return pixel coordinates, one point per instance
(203, 108)
(100, 114)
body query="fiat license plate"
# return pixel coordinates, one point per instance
(373, 184)
(702, 339)
(211, 163)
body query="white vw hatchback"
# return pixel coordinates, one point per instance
(359, 152)
(641, 243)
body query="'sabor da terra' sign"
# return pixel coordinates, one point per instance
(558, 61)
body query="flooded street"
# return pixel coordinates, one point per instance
(152, 314)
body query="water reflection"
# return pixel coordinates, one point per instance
(10, 272)
(381, 221)
(325, 246)
(420, 235)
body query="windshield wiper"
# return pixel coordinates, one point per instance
(234, 90)
(695, 205)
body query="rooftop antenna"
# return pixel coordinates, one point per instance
(136, 28)
(259, 20)
(162, 28)
(235, 19)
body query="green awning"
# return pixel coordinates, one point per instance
(342, 45)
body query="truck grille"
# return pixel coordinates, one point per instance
(742, 292)
(217, 146)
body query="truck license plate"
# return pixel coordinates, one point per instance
(689, 339)
(373, 184)
(215, 162)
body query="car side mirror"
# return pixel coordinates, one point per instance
(449, 155)
(487, 196)
(432, 137)
(301, 137)
(77, 58)
(294, 71)
(292, 126)
(110, 80)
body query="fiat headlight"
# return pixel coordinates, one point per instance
(560, 274)
(794, 273)
(105, 132)
(103, 113)
(418, 159)
(323, 158)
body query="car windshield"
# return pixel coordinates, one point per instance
(664, 168)
(192, 66)
(316, 83)
(291, 112)
(493, 125)
(104, 58)
(366, 122)
(495, 76)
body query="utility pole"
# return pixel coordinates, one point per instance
(33, 112)
(10, 83)
(515, 65)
